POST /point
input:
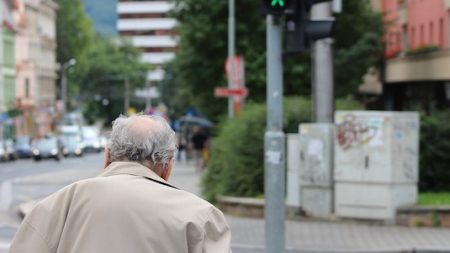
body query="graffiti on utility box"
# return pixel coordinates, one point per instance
(351, 133)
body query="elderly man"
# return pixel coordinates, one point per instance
(130, 207)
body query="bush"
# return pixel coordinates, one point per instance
(236, 167)
(435, 152)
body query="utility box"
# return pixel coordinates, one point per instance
(316, 168)
(376, 163)
(293, 170)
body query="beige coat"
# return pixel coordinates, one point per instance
(121, 211)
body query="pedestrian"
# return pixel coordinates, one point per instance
(199, 140)
(130, 206)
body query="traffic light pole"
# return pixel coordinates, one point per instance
(231, 24)
(274, 142)
(323, 72)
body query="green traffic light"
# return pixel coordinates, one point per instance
(275, 2)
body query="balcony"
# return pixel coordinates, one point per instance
(144, 7)
(146, 24)
(431, 66)
(157, 58)
(154, 41)
(447, 4)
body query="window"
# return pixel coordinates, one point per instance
(27, 87)
(441, 33)
(9, 94)
(431, 42)
(413, 37)
(422, 35)
(405, 37)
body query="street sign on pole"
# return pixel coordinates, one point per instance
(238, 75)
(225, 92)
(148, 92)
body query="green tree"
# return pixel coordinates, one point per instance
(358, 45)
(74, 31)
(103, 77)
(199, 65)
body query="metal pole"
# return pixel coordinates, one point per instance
(126, 101)
(63, 87)
(148, 99)
(323, 71)
(274, 143)
(231, 54)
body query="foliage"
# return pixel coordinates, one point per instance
(424, 49)
(434, 152)
(434, 198)
(105, 77)
(73, 30)
(358, 45)
(236, 167)
(199, 65)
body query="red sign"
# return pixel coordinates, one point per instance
(238, 75)
(226, 92)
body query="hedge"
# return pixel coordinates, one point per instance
(435, 152)
(236, 166)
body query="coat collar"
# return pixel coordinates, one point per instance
(131, 168)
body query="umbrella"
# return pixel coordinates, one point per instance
(195, 121)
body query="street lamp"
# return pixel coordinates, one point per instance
(65, 66)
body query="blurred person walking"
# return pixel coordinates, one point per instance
(199, 142)
(130, 207)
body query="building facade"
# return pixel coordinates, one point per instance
(36, 67)
(147, 25)
(417, 54)
(7, 68)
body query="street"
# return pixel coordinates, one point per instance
(25, 180)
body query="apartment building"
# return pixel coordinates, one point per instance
(36, 66)
(7, 67)
(417, 54)
(148, 26)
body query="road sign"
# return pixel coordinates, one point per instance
(151, 92)
(225, 92)
(238, 76)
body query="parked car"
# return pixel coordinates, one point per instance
(3, 154)
(23, 147)
(91, 139)
(7, 150)
(72, 145)
(10, 148)
(48, 147)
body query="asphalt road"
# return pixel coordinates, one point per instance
(23, 180)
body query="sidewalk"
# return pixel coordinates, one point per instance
(313, 236)
(316, 236)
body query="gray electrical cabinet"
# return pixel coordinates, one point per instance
(316, 163)
(376, 163)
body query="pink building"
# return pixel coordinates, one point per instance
(417, 52)
(415, 23)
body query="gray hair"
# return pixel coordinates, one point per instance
(156, 144)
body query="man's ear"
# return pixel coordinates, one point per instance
(107, 158)
(167, 170)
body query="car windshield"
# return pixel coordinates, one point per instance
(23, 140)
(89, 133)
(46, 143)
(70, 141)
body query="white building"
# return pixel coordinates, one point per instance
(147, 26)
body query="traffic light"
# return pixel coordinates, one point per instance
(276, 7)
(301, 31)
